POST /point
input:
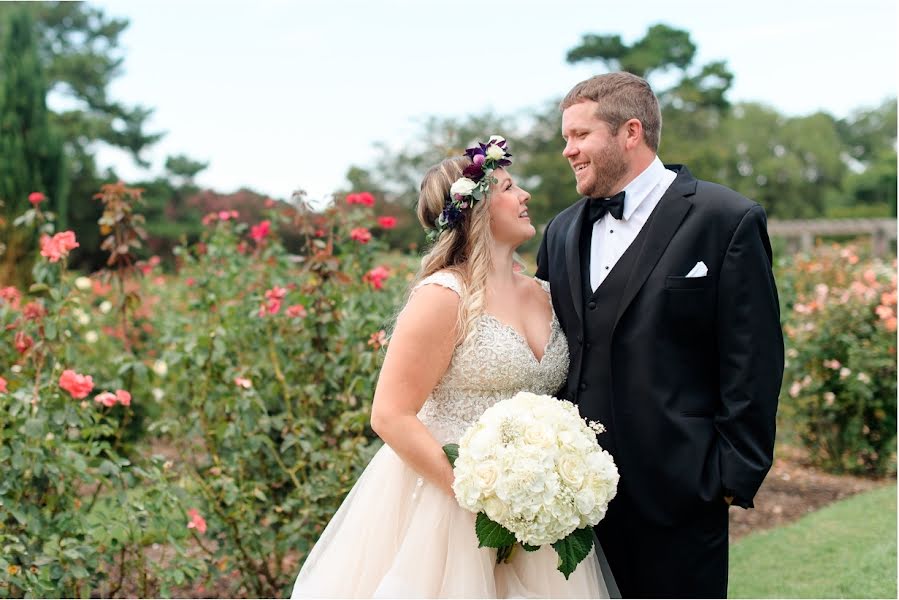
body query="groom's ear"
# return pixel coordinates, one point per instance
(633, 130)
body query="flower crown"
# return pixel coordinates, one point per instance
(472, 187)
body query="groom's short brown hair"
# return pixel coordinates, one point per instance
(621, 96)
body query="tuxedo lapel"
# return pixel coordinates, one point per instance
(573, 259)
(667, 217)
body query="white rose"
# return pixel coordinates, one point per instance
(462, 187)
(83, 283)
(105, 306)
(486, 474)
(160, 368)
(157, 394)
(572, 469)
(496, 509)
(495, 152)
(537, 434)
(91, 337)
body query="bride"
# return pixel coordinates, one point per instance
(473, 332)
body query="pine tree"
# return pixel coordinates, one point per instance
(31, 156)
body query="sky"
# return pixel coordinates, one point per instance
(282, 95)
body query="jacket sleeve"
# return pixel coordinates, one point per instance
(751, 359)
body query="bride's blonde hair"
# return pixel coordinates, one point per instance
(463, 249)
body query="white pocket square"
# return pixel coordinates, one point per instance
(699, 270)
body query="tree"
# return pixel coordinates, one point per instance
(870, 138)
(790, 165)
(78, 46)
(31, 158)
(663, 49)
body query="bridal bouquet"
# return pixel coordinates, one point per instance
(532, 470)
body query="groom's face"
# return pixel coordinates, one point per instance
(596, 153)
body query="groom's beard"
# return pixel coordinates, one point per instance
(609, 169)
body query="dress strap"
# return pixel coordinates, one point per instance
(543, 284)
(447, 279)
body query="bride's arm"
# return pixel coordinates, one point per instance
(418, 355)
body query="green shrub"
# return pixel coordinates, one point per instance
(840, 380)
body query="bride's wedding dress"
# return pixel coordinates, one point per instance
(398, 536)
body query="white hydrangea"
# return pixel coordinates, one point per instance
(532, 464)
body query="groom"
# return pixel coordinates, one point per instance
(663, 285)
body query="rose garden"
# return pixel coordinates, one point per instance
(188, 429)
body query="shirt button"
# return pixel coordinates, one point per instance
(583, 386)
(580, 339)
(587, 345)
(607, 268)
(591, 305)
(611, 231)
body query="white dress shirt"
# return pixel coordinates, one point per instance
(611, 236)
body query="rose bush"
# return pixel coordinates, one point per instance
(840, 377)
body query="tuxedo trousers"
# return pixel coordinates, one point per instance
(654, 561)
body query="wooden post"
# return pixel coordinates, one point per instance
(807, 241)
(879, 242)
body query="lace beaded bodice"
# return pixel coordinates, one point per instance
(494, 363)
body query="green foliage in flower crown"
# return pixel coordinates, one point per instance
(840, 376)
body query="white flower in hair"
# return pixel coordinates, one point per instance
(462, 187)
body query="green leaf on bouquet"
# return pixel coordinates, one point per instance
(491, 534)
(452, 453)
(530, 548)
(573, 549)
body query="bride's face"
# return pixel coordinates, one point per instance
(509, 220)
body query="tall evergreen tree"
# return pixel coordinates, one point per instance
(31, 155)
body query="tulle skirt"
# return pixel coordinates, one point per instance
(397, 536)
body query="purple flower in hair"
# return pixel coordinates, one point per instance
(474, 171)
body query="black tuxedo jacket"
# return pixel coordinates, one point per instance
(696, 363)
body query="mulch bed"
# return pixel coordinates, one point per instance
(794, 489)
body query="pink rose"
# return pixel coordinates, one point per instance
(196, 521)
(33, 311)
(11, 295)
(376, 277)
(387, 222)
(378, 339)
(273, 298)
(361, 235)
(58, 246)
(79, 386)
(107, 399)
(23, 342)
(260, 232)
(123, 397)
(296, 311)
(3, 389)
(243, 382)
(36, 198)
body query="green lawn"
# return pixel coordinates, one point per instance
(846, 550)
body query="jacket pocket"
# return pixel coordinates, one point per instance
(686, 283)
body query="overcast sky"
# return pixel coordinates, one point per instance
(281, 95)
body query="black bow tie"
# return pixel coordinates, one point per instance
(598, 207)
